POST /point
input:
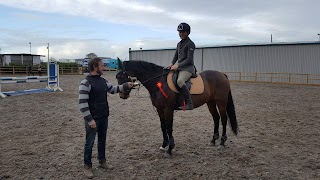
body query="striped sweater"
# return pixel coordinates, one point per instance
(86, 94)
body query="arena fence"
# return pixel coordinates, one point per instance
(62, 70)
(24, 70)
(268, 77)
(284, 78)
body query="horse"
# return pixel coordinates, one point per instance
(217, 96)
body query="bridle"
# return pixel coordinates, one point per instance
(161, 75)
(139, 85)
(127, 92)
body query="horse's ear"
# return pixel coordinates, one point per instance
(120, 64)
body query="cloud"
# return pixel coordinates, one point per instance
(212, 22)
(167, 13)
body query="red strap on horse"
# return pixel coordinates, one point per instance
(159, 85)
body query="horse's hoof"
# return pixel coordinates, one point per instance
(167, 155)
(213, 143)
(163, 148)
(221, 147)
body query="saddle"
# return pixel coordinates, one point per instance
(195, 85)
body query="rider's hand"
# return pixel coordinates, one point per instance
(168, 67)
(92, 124)
(174, 67)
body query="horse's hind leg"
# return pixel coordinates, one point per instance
(222, 110)
(216, 118)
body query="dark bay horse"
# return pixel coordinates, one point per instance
(217, 95)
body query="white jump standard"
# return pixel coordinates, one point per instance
(52, 82)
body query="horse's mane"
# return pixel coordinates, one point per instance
(145, 66)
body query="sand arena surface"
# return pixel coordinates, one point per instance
(42, 136)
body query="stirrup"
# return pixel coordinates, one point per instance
(185, 106)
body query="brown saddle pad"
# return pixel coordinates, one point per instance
(197, 86)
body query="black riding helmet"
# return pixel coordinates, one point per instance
(184, 27)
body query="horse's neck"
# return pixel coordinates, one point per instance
(149, 83)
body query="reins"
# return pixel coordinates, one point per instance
(161, 75)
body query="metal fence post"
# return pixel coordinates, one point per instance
(289, 78)
(255, 78)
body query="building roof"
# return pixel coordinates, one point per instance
(25, 54)
(240, 45)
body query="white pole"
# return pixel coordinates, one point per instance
(0, 86)
(57, 74)
(1, 94)
(58, 78)
(48, 67)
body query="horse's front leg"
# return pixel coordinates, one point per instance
(169, 123)
(164, 130)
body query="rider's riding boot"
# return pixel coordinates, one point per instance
(187, 97)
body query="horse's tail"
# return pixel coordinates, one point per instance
(232, 114)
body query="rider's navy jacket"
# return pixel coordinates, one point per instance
(184, 55)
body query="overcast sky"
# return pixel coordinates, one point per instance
(109, 28)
